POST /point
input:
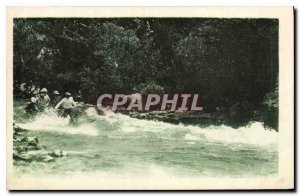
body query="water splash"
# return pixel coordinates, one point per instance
(52, 123)
(94, 124)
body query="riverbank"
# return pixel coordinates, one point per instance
(28, 148)
(184, 117)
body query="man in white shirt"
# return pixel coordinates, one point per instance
(67, 104)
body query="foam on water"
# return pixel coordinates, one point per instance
(51, 122)
(254, 134)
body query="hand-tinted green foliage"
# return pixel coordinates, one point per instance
(149, 88)
(231, 63)
(268, 112)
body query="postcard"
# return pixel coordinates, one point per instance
(150, 98)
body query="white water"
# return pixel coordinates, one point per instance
(254, 134)
(51, 122)
(121, 146)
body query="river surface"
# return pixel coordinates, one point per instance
(120, 145)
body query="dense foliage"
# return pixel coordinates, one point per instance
(231, 63)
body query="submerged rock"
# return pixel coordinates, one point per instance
(27, 148)
(176, 117)
(18, 129)
(33, 141)
(17, 156)
(57, 153)
(20, 149)
(48, 158)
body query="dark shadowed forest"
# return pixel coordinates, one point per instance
(231, 63)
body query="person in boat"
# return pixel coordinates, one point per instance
(67, 104)
(79, 98)
(30, 87)
(44, 99)
(32, 106)
(55, 98)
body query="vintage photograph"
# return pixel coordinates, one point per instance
(149, 98)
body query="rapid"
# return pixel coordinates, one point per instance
(118, 145)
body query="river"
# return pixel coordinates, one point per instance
(120, 145)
